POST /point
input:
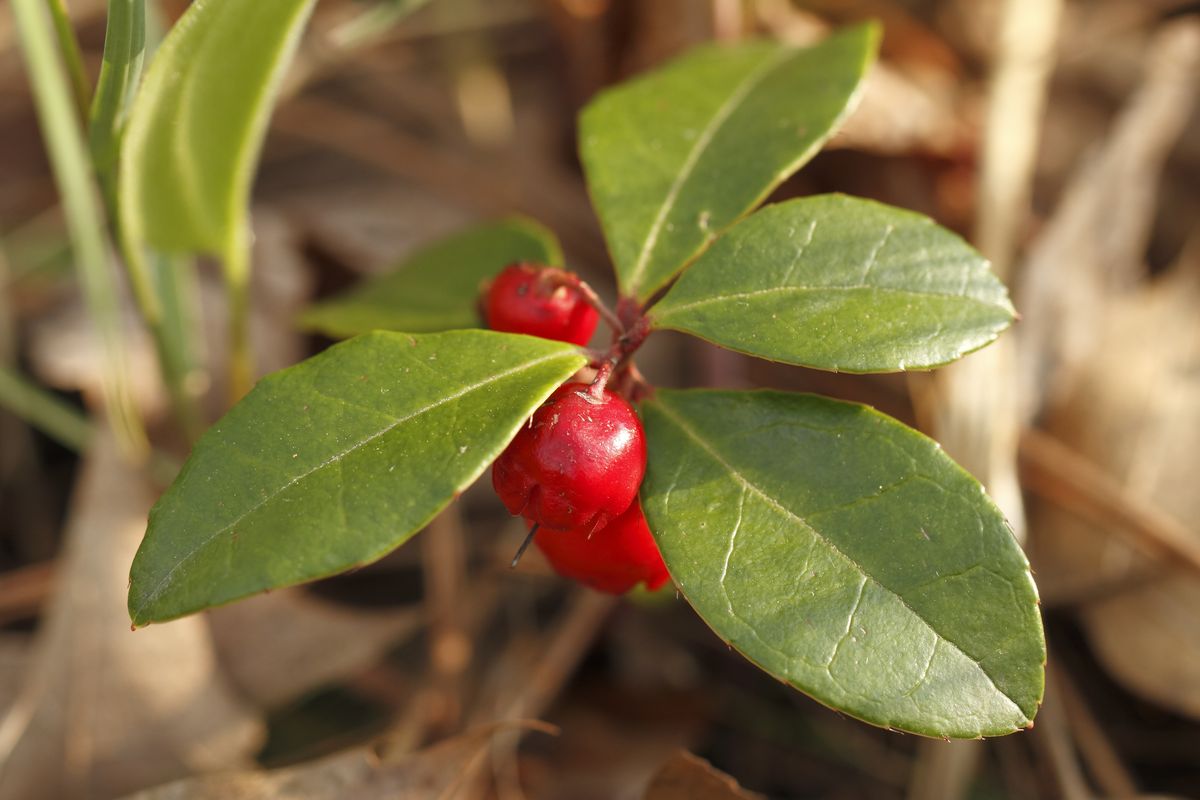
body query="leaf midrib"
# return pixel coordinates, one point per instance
(704, 301)
(159, 588)
(724, 111)
(772, 502)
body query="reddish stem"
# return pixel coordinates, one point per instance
(602, 375)
(632, 384)
(633, 329)
(570, 279)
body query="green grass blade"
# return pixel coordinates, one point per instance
(85, 221)
(124, 47)
(43, 410)
(69, 46)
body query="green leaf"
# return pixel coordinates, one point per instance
(436, 288)
(675, 157)
(848, 556)
(197, 124)
(336, 461)
(840, 283)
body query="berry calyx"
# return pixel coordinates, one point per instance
(614, 559)
(577, 464)
(540, 301)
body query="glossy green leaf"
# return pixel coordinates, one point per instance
(675, 157)
(840, 283)
(336, 461)
(436, 288)
(848, 556)
(197, 124)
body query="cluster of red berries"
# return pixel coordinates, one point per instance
(574, 471)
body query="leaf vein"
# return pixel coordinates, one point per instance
(873, 256)
(706, 301)
(812, 229)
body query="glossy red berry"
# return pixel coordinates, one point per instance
(539, 301)
(613, 559)
(577, 464)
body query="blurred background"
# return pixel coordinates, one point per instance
(1062, 138)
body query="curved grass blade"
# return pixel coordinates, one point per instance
(68, 154)
(124, 48)
(193, 138)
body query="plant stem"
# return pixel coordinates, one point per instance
(632, 384)
(605, 372)
(69, 47)
(72, 171)
(563, 278)
(64, 423)
(155, 289)
(170, 351)
(524, 545)
(44, 411)
(124, 48)
(237, 288)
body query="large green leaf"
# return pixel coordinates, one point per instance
(675, 157)
(336, 461)
(197, 124)
(436, 288)
(840, 283)
(847, 555)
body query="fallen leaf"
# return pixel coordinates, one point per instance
(1111, 358)
(359, 774)
(313, 642)
(102, 710)
(689, 777)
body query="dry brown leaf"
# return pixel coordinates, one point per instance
(689, 777)
(359, 774)
(1150, 640)
(103, 710)
(1092, 248)
(903, 110)
(1111, 363)
(615, 740)
(66, 354)
(1141, 422)
(14, 662)
(312, 642)
(371, 227)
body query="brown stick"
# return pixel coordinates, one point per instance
(1053, 738)
(450, 648)
(1094, 745)
(559, 653)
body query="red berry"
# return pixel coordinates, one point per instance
(613, 559)
(525, 298)
(578, 463)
